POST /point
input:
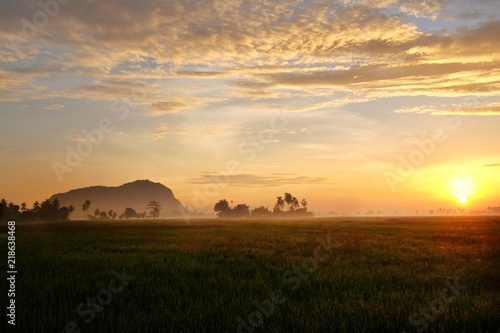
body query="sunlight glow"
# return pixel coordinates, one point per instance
(462, 188)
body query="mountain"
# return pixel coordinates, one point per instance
(135, 195)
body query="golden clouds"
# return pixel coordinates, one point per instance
(479, 109)
(159, 108)
(254, 180)
(367, 49)
(180, 32)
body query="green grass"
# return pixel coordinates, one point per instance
(200, 276)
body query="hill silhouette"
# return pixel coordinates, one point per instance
(135, 195)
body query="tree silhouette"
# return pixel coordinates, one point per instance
(9, 211)
(222, 208)
(51, 211)
(154, 208)
(56, 203)
(493, 210)
(280, 204)
(86, 206)
(289, 200)
(241, 210)
(294, 204)
(48, 210)
(71, 209)
(129, 213)
(260, 212)
(3, 208)
(303, 202)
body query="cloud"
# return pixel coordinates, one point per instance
(112, 90)
(15, 87)
(492, 165)
(426, 8)
(262, 51)
(412, 78)
(201, 74)
(176, 30)
(455, 109)
(194, 131)
(83, 138)
(253, 180)
(456, 64)
(160, 108)
(54, 107)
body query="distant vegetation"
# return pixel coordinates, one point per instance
(153, 207)
(286, 205)
(46, 211)
(51, 210)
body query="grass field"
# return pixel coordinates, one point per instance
(443, 272)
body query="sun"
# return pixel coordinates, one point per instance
(462, 188)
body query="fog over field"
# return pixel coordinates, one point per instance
(355, 105)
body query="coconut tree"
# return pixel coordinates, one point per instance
(71, 209)
(86, 206)
(280, 204)
(289, 200)
(294, 204)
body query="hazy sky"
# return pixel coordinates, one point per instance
(354, 105)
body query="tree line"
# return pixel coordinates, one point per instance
(48, 210)
(51, 210)
(153, 207)
(286, 205)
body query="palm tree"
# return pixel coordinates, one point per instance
(71, 209)
(97, 212)
(36, 206)
(294, 204)
(23, 207)
(56, 203)
(289, 200)
(85, 207)
(280, 204)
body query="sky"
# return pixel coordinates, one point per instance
(354, 105)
